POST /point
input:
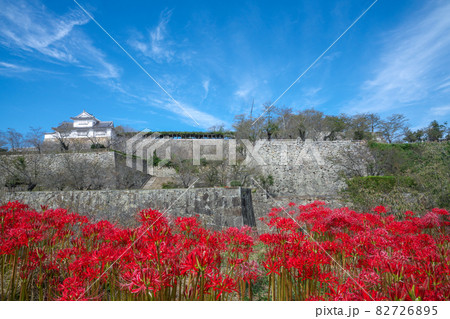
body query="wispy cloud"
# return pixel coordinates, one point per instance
(411, 66)
(204, 119)
(205, 84)
(129, 121)
(18, 70)
(246, 89)
(155, 44)
(440, 110)
(28, 27)
(6, 68)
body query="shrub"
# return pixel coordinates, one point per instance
(97, 146)
(169, 185)
(235, 184)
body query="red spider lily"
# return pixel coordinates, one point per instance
(72, 289)
(221, 284)
(313, 253)
(380, 210)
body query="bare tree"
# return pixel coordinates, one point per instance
(18, 171)
(245, 129)
(83, 174)
(100, 142)
(124, 129)
(186, 170)
(393, 128)
(374, 121)
(213, 173)
(284, 120)
(35, 137)
(3, 142)
(62, 135)
(355, 160)
(217, 128)
(309, 124)
(270, 125)
(14, 139)
(241, 174)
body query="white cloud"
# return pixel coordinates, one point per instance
(156, 45)
(8, 67)
(29, 27)
(16, 70)
(415, 56)
(445, 86)
(440, 110)
(205, 85)
(187, 113)
(246, 89)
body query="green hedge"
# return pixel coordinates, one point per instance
(383, 184)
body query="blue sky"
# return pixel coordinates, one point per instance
(216, 57)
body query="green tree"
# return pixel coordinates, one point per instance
(413, 136)
(435, 131)
(334, 125)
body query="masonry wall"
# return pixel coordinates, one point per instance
(216, 207)
(303, 171)
(302, 168)
(77, 170)
(310, 169)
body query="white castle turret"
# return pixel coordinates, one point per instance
(84, 125)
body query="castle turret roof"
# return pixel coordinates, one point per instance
(84, 116)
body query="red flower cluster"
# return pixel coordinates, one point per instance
(54, 254)
(312, 253)
(317, 253)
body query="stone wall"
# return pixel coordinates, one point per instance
(303, 171)
(72, 170)
(216, 207)
(310, 169)
(302, 168)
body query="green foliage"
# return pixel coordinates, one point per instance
(203, 162)
(97, 146)
(380, 183)
(432, 173)
(393, 159)
(266, 182)
(235, 184)
(414, 176)
(435, 131)
(13, 181)
(169, 185)
(156, 159)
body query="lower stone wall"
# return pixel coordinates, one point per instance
(217, 208)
